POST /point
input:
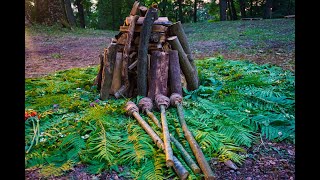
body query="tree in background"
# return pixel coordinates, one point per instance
(242, 4)
(79, 4)
(69, 13)
(223, 10)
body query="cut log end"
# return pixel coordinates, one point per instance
(169, 163)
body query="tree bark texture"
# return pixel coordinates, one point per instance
(166, 137)
(142, 65)
(49, 12)
(186, 67)
(158, 74)
(69, 13)
(174, 73)
(204, 165)
(109, 60)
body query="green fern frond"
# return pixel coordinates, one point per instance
(53, 170)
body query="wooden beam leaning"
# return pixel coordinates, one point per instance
(133, 110)
(142, 66)
(108, 65)
(176, 100)
(125, 59)
(186, 67)
(98, 79)
(176, 29)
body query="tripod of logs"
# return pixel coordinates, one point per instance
(151, 57)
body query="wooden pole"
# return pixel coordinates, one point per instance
(174, 72)
(142, 65)
(146, 105)
(133, 110)
(162, 103)
(188, 71)
(109, 59)
(176, 100)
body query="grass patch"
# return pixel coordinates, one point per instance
(237, 103)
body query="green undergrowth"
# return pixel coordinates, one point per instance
(237, 104)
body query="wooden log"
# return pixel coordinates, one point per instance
(98, 79)
(135, 8)
(176, 29)
(122, 39)
(133, 110)
(186, 67)
(176, 100)
(116, 79)
(155, 28)
(158, 74)
(160, 21)
(125, 61)
(108, 65)
(174, 72)
(151, 16)
(142, 11)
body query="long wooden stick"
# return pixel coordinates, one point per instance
(146, 105)
(208, 173)
(133, 110)
(162, 103)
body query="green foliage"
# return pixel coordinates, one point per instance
(237, 103)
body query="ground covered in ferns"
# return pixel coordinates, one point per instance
(243, 110)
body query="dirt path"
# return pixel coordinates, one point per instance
(47, 54)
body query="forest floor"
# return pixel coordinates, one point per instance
(265, 41)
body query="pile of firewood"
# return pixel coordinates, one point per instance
(149, 56)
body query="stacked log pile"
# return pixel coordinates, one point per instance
(149, 56)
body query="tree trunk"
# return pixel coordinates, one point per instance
(267, 9)
(69, 13)
(229, 10)
(49, 12)
(195, 7)
(108, 65)
(223, 10)
(142, 65)
(233, 11)
(158, 74)
(81, 13)
(186, 67)
(180, 11)
(251, 8)
(242, 4)
(174, 73)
